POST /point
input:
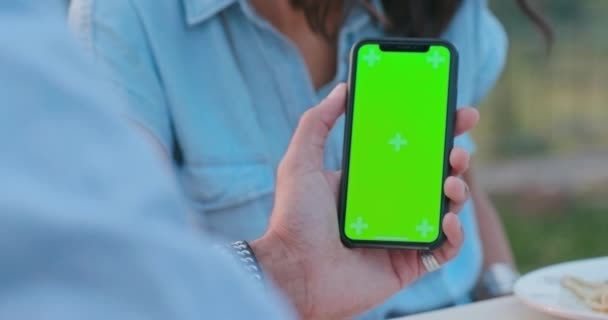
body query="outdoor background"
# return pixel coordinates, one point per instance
(543, 141)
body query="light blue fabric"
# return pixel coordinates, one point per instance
(92, 225)
(215, 81)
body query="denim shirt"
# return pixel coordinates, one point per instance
(217, 84)
(92, 223)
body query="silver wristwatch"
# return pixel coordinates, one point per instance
(499, 279)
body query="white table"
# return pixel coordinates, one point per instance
(508, 308)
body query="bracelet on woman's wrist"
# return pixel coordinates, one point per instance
(499, 279)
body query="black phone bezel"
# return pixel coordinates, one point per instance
(407, 45)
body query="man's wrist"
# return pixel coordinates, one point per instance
(283, 267)
(244, 255)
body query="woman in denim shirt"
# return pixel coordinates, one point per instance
(220, 86)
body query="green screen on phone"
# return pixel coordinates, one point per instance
(397, 144)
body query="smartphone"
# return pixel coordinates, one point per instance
(398, 135)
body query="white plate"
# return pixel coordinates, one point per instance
(541, 289)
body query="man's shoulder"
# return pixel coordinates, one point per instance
(42, 65)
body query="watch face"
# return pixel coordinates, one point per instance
(499, 279)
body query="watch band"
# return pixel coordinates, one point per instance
(242, 252)
(499, 279)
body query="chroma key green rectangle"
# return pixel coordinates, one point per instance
(400, 123)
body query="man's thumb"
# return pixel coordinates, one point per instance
(308, 143)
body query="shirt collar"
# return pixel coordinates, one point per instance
(198, 11)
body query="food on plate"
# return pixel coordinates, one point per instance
(592, 294)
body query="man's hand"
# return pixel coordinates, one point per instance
(302, 251)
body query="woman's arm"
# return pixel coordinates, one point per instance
(499, 270)
(496, 247)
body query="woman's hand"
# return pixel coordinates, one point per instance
(302, 250)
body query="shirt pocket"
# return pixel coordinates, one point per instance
(222, 187)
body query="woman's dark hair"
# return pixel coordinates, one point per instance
(410, 18)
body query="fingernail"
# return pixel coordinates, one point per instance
(336, 90)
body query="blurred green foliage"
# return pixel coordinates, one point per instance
(549, 104)
(544, 107)
(542, 238)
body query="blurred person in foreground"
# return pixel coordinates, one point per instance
(219, 85)
(92, 225)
